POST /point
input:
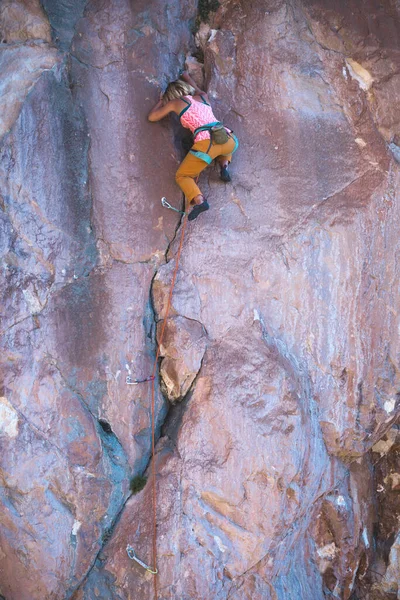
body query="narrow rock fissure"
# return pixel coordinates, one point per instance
(106, 427)
(114, 452)
(173, 419)
(108, 532)
(375, 575)
(170, 424)
(170, 243)
(107, 535)
(169, 428)
(117, 463)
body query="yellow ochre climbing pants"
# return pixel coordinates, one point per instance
(192, 166)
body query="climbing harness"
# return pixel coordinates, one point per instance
(218, 134)
(132, 555)
(215, 130)
(202, 155)
(136, 381)
(168, 205)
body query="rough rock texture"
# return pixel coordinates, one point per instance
(277, 445)
(381, 580)
(22, 64)
(23, 20)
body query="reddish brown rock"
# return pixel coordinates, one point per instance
(21, 67)
(221, 508)
(56, 490)
(75, 281)
(379, 577)
(281, 347)
(183, 346)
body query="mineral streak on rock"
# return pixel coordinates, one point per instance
(277, 402)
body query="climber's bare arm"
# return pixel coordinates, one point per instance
(186, 77)
(159, 111)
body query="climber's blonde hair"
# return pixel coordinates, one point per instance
(177, 89)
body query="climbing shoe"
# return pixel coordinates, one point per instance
(224, 175)
(197, 209)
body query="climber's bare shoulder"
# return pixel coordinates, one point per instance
(201, 96)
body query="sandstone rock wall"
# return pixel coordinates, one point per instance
(278, 394)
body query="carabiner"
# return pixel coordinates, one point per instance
(137, 381)
(131, 553)
(166, 204)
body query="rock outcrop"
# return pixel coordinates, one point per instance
(277, 401)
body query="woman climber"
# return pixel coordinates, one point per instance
(211, 139)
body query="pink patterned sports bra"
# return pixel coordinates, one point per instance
(196, 114)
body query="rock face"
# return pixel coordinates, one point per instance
(277, 401)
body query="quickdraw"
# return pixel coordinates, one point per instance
(166, 204)
(137, 381)
(132, 555)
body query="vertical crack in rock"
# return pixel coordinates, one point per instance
(161, 418)
(117, 475)
(378, 575)
(168, 424)
(311, 81)
(73, 313)
(109, 530)
(173, 418)
(117, 469)
(182, 337)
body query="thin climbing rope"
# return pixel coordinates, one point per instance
(153, 469)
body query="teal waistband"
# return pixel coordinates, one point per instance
(202, 156)
(207, 158)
